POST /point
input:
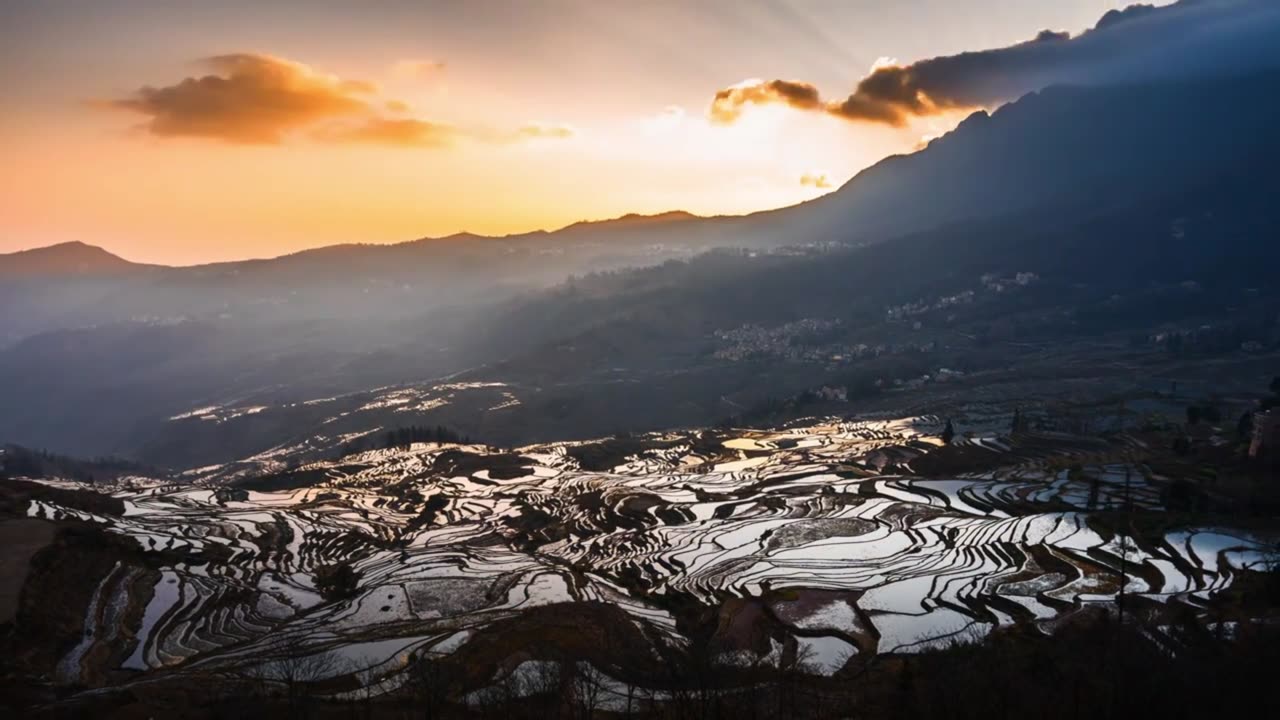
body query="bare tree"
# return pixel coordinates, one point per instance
(295, 670)
(366, 682)
(545, 681)
(430, 678)
(588, 684)
(791, 669)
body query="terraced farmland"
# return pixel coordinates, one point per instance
(826, 542)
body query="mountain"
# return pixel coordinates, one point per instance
(1093, 143)
(1073, 219)
(1064, 144)
(1106, 186)
(634, 220)
(738, 334)
(1077, 144)
(63, 259)
(352, 282)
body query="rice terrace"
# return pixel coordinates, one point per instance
(815, 547)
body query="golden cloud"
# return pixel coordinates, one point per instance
(728, 104)
(252, 98)
(403, 132)
(890, 95)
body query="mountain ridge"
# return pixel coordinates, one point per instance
(880, 200)
(1091, 184)
(66, 258)
(627, 221)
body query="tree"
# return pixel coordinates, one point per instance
(587, 684)
(1094, 486)
(948, 433)
(430, 679)
(1244, 428)
(337, 582)
(291, 667)
(406, 436)
(1180, 496)
(1182, 445)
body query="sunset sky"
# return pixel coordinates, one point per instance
(184, 132)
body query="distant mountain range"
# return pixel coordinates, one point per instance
(1112, 198)
(79, 258)
(1062, 144)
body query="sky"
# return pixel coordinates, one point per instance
(185, 132)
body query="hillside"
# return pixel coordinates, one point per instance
(1086, 144)
(69, 258)
(1061, 205)
(1099, 143)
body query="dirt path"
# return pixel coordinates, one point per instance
(21, 540)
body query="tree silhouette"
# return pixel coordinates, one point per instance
(430, 680)
(1244, 428)
(406, 436)
(337, 582)
(948, 433)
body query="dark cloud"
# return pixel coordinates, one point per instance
(728, 103)
(1139, 43)
(1052, 35)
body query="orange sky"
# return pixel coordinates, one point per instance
(330, 122)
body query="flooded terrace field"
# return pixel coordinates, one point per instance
(830, 542)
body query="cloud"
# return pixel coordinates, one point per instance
(1141, 42)
(414, 133)
(670, 119)
(816, 180)
(251, 98)
(418, 69)
(526, 133)
(402, 132)
(728, 104)
(557, 132)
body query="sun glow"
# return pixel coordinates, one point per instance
(407, 137)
